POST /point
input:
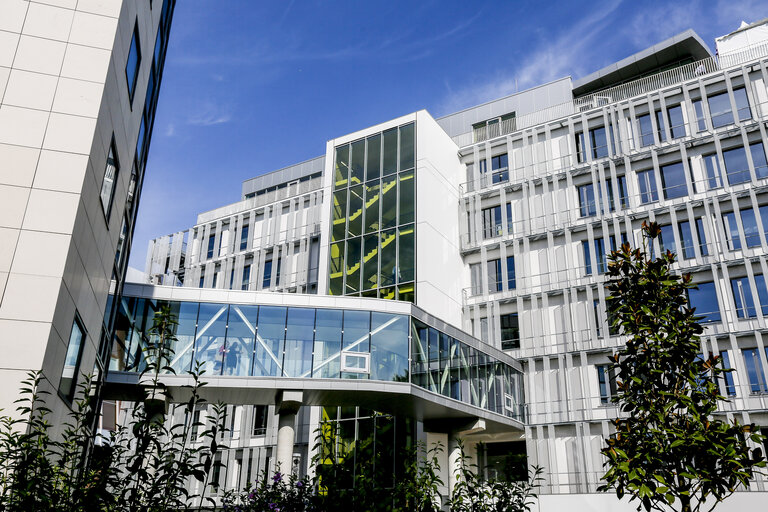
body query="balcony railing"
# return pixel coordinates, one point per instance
(613, 94)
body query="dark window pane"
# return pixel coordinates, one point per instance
(407, 197)
(510, 331)
(133, 63)
(341, 167)
(406, 147)
(660, 126)
(704, 299)
(406, 245)
(645, 130)
(758, 160)
(389, 202)
(676, 122)
(736, 165)
(742, 104)
(355, 216)
(353, 265)
(373, 164)
(357, 162)
(720, 109)
(511, 280)
(370, 261)
(336, 286)
(111, 171)
(67, 384)
(673, 181)
(647, 183)
(390, 152)
(599, 142)
(372, 206)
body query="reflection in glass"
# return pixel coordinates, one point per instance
(181, 360)
(389, 202)
(337, 269)
(298, 342)
(388, 258)
(327, 344)
(407, 251)
(356, 328)
(390, 152)
(407, 197)
(372, 206)
(373, 164)
(241, 333)
(370, 261)
(389, 347)
(406, 147)
(267, 360)
(353, 265)
(342, 166)
(209, 340)
(357, 163)
(339, 214)
(355, 227)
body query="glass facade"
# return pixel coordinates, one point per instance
(304, 342)
(374, 202)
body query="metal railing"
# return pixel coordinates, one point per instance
(617, 93)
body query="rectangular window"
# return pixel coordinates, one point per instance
(267, 274)
(68, 382)
(749, 223)
(587, 204)
(676, 122)
(725, 362)
(133, 62)
(712, 167)
(495, 281)
(510, 331)
(667, 239)
(260, 420)
(492, 221)
(580, 154)
(599, 142)
(121, 246)
(645, 129)
(736, 165)
(211, 246)
(660, 126)
(244, 237)
(647, 184)
(511, 282)
(602, 260)
(757, 382)
(673, 181)
(686, 238)
(701, 121)
(111, 171)
(757, 150)
(742, 296)
(731, 231)
(202, 281)
(606, 381)
(704, 299)
(720, 109)
(246, 277)
(500, 168)
(742, 104)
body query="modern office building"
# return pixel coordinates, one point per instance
(489, 228)
(79, 82)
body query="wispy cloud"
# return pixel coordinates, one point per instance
(170, 130)
(209, 114)
(564, 55)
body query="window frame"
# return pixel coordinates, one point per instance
(69, 395)
(107, 208)
(132, 83)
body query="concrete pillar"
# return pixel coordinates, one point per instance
(454, 462)
(288, 404)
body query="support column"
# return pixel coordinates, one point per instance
(454, 461)
(288, 404)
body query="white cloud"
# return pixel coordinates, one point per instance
(209, 114)
(563, 55)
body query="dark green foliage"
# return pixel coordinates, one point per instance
(670, 449)
(144, 466)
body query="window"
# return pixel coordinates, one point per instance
(246, 277)
(704, 299)
(511, 282)
(742, 296)
(606, 381)
(510, 331)
(701, 121)
(580, 155)
(133, 63)
(231, 279)
(589, 207)
(720, 107)
(494, 275)
(111, 171)
(260, 420)
(492, 222)
(731, 231)
(758, 160)
(725, 362)
(215, 278)
(267, 274)
(712, 168)
(686, 238)
(645, 129)
(211, 246)
(476, 278)
(121, 245)
(676, 122)
(660, 126)
(667, 239)
(244, 237)
(647, 183)
(749, 223)
(68, 382)
(599, 142)
(673, 181)
(736, 165)
(757, 383)
(602, 260)
(202, 281)
(499, 168)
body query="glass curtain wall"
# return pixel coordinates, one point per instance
(372, 234)
(304, 342)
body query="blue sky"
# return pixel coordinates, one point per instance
(252, 86)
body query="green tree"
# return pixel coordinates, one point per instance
(670, 450)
